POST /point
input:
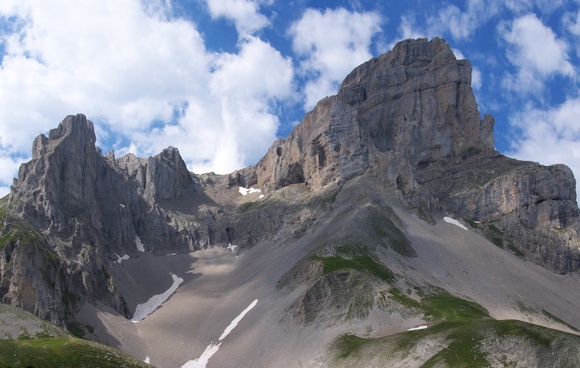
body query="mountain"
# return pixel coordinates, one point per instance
(385, 230)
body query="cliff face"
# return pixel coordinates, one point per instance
(408, 119)
(415, 102)
(520, 205)
(83, 211)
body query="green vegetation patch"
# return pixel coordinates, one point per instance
(463, 349)
(349, 344)
(463, 343)
(464, 326)
(460, 320)
(14, 230)
(62, 352)
(403, 299)
(444, 307)
(363, 262)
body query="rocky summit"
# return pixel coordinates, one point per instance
(386, 230)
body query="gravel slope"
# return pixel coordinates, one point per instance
(219, 284)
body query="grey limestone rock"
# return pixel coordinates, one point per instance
(415, 101)
(88, 210)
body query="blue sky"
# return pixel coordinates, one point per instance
(222, 79)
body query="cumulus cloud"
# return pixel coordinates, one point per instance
(244, 13)
(330, 44)
(557, 128)
(142, 76)
(537, 53)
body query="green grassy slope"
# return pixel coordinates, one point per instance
(28, 341)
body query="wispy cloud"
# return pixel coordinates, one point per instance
(330, 44)
(461, 24)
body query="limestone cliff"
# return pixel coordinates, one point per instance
(414, 103)
(410, 117)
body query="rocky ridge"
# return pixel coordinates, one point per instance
(407, 119)
(411, 118)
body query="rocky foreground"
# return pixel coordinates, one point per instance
(385, 230)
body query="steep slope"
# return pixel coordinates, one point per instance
(344, 275)
(348, 237)
(28, 341)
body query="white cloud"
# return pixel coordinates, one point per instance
(233, 125)
(476, 78)
(244, 13)
(408, 28)
(537, 53)
(462, 24)
(142, 77)
(8, 169)
(572, 22)
(557, 128)
(331, 43)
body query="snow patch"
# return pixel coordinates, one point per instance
(146, 360)
(171, 254)
(145, 309)
(202, 361)
(454, 222)
(121, 259)
(417, 328)
(246, 191)
(232, 247)
(212, 348)
(122, 205)
(237, 320)
(139, 244)
(261, 196)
